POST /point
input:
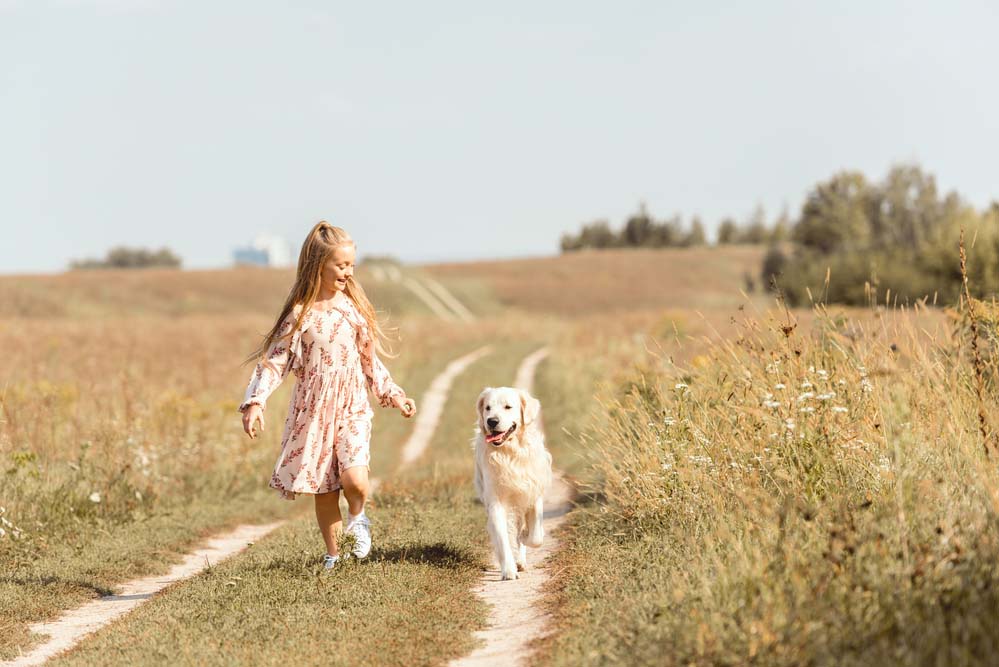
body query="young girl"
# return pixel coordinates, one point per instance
(327, 335)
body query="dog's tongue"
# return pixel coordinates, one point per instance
(493, 437)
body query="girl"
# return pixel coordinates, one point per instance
(327, 335)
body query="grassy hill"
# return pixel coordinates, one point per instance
(609, 280)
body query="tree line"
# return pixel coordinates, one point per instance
(130, 258)
(641, 230)
(895, 239)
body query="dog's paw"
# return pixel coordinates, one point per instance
(535, 539)
(508, 574)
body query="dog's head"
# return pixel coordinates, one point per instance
(503, 411)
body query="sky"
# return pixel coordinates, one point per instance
(449, 131)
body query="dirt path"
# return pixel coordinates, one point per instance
(66, 631)
(432, 406)
(516, 618)
(70, 628)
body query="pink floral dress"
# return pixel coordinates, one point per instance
(328, 428)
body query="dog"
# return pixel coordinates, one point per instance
(513, 469)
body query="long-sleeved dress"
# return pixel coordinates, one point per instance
(328, 428)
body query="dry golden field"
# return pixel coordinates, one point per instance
(759, 486)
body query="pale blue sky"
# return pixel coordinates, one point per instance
(453, 130)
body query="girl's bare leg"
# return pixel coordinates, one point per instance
(329, 519)
(355, 488)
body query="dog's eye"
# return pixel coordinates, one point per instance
(507, 408)
(487, 408)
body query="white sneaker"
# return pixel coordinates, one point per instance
(360, 527)
(330, 561)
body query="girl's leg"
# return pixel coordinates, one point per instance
(355, 488)
(329, 519)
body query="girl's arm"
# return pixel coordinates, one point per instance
(272, 369)
(379, 380)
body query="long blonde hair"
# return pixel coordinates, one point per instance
(319, 246)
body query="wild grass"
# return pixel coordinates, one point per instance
(794, 495)
(120, 444)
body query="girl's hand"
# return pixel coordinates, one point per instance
(406, 405)
(251, 415)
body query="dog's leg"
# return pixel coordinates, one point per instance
(522, 557)
(517, 530)
(499, 531)
(536, 531)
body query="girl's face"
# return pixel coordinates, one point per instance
(338, 268)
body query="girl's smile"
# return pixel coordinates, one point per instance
(337, 270)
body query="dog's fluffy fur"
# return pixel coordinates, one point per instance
(513, 469)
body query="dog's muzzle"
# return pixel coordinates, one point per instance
(497, 438)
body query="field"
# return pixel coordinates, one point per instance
(756, 485)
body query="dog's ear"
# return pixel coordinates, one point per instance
(479, 404)
(529, 407)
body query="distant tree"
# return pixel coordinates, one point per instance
(906, 208)
(123, 257)
(755, 231)
(781, 230)
(835, 213)
(667, 233)
(773, 266)
(639, 230)
(570, 242)
(696, 235)
(728, 232)
(598, 235)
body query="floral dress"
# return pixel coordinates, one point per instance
(328, 428)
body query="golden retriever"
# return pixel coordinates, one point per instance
(513, 469)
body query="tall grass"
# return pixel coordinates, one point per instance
(797, 495)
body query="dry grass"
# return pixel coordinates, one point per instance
(611, 280)
(120, 443)
(796, 494)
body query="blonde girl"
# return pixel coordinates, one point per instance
(328, 336)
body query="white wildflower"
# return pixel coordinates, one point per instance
(780, 385)
(806, 385)
(841, 382)
(884, 463)
(807, 395)
(95, 497)
(866, 385)
(839, 408)
(669, 421)
(771, 404)
(789, 424)
(3, 532)
(699, 459)
(680, 385)
(808, 409)
(823, 373)
(826, 396)
(811, 369)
